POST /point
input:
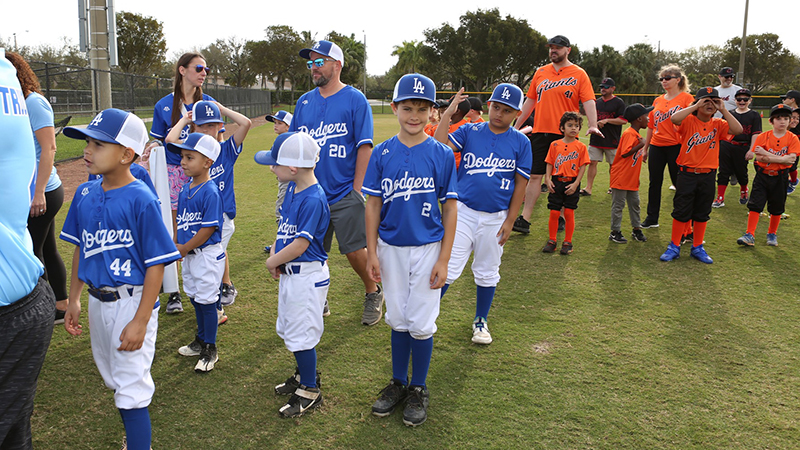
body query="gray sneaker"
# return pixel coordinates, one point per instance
(174, 305)
(416, 411)
(192, 349)
(373, 307)
(228, 294)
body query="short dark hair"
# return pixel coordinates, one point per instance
(568, 116)
(416, 102)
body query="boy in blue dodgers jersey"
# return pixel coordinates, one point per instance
(207, 119)
(138, 172)
(121, 250)
(282, 120)
(340, 119)
(409, 240)
(200, 243)
(495, 167)
(299, 260)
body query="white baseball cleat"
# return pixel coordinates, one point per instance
(480, 332)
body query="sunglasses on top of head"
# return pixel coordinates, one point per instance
(200, 68)
(319, 62)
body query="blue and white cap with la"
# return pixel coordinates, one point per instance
(115, 126)
(296, 149)
(206, 112)
(283, 116)
(325, 48)
(199, 142)
(414, 86)
(508, 94)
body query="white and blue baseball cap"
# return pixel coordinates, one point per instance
(325, 48)
(115, 126)
(199, 142)
(296, 149)
(414, 86)
(507, 94)
(283, 116)
(206, 112)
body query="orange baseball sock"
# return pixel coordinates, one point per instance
(678, 229)
(552, 224)
(752, 221)
(569, 228)
(699, 233)
(774, 221)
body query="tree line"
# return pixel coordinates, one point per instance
(483, 49)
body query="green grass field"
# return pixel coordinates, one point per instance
(608, 348)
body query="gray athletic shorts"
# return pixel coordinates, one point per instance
(596, 154)
(347, 220)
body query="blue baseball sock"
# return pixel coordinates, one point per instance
(307, 366)
(485, 295)
(421, 351)
(401, 354)
(137, 428)
(444, 289)
(210, 323)
(219, 302)
(198, 314)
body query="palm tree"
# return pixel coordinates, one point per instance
(409, 56)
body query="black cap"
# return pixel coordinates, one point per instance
(464, 106)
(706, 92)
(727, 72)
(607, 83)
(475, 103)
(743, 92)
(780, 110)
(791, 94)
(559, 40)
(636, 110)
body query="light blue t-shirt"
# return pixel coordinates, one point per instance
(41, 116)
(20, 269)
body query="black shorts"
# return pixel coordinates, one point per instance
(540, 145)
(559, 199)
(694, 194)
(769, 190)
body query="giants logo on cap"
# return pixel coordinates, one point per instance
(708, 90)
(419, 88)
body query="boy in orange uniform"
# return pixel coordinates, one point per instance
(699, 133)
(625, 172)
(566, 163)
(775, 152)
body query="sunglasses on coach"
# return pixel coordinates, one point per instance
(319, 62)
(199, 68)
(666, 78)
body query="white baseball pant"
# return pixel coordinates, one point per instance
(301, 298)
(202, 273)
(477, 231)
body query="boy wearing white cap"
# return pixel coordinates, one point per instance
(299, 261)
(282, 121)
(121, 249)
(199, 238)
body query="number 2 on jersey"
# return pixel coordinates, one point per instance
(426, 209)
(125, 267)
(337, 151)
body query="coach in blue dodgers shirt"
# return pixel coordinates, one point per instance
(27, 304)
(339, 118)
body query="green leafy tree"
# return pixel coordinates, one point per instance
(409, 56)
(277, 58)
(354, 54)
(701, 65)
(231, 59)
(141, 46)
(602, 62)
(767, 62)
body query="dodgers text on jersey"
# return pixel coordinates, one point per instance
(489, 164)
(405, 187)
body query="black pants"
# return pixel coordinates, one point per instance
(659, 158)
(769, 190)
(732, 162)
(27, 326)
(694, 194)
(43, 235)
(559, 199)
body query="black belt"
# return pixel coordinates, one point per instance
(292, 269)
(107, 295)
(695, 170)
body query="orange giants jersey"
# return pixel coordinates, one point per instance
(700, 142)
(454, 127)
(664, 133)
(556, 92)
(788, 143)
(567, 159)
(625, 171)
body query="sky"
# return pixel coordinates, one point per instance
(586, 23)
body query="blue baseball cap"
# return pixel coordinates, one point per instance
(325, 48)
(206, 112)
(507, 94)
(414, 86)
(297, 149)
(199, 142)
(115, 126)
(283, 116)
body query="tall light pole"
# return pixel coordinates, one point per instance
(740, 75)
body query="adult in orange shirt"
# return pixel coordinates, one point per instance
(556, 88)
(699, 133)
(625, 170)
(661, 145)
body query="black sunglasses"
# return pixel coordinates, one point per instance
(666, 78)
(743, 99)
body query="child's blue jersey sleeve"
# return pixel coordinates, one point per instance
(304, 215)
(199, 208)
(222, 174)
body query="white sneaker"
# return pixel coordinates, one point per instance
(480, 332)
(221, 317)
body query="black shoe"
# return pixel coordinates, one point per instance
(545, 188)
(292, 383)
(616, 236)
(562, 224)
(638, 236)
(549, 246)
(688, 239)
(521, 225)
(650, 223)
(566, 248)
(303, 399)
(208, 357)
(416, 411)
(390, 397)
(59, 317)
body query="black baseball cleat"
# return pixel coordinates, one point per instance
(391, 396)
(521, 225)
(303, 400)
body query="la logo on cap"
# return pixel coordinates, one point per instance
(506, 95)
(316, 45)
(97, 119)
(209, 111)
(419, 88)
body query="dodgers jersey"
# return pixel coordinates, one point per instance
(162, 123)
(304, 215)
(199, 207)
(489, 164)
(410, 181)
(119, 233)
(340, 124)
(222, 174)
(138, 172)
